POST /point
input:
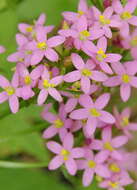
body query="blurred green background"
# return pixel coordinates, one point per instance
(20, 134)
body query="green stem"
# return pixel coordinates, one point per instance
(7, 164)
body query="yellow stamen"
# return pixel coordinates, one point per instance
(27, 80)
(65, 153)
(47, 85)
(108, 146)
(91, 164)
(113, 184)
(42, 45)
(99, 178)
(86, 72)
(76, 86)
(114, 168)
(134, 41)
(126, 78)
(28, 52)
(101, 55)
(10, 90)
(58, 123)
(29, 29)
(84, 35)
(80, 13)
(125, 121)
(65, 25)
(126, 15)
(94, 112)
(20, 59)
(104, 20)
(84, 121)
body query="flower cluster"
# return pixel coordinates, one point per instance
(75, 72)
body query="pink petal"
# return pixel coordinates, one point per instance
(113, 57)
(96, 33)
(118, 68)
(107, 32)
(55, 94)
(102, 171)
(50, 132)
(102, 101)
(68, 141)
(42, 96)
(102, 43)
(71, 104)
(117, 6)
(85, 84)
(90, 126)
(55, 41)
(96, 12)
(107, 117)
(83, 5)
(131, 67)
(2, 49)
(41, 20)
(51, 55)
(68, 33)
(124, 29)
(82, 23)
(71, 166)
(21, 39)
(56, 80)
(116, 155)
(101, 157)
(107, 134)
(14, 103)
(112, 81)
(86, 101)
(133, 126)
(72, 76)
(77, 153)
(77, 61)
(36, 73)
(133, 82)
(79, 114)
(50, 117)
(4, 82)
(55, 163)
(125, 92)
(108, 12)
(106, 68)
(37, 57)
(99, 76)
(130, 6)
(70, 16)
(3, 97)
(54, 147)
(89, 48)
(119, 141)
(15, 80)
(87, 177)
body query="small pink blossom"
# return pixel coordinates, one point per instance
(2, 49)
(65, 154)
(93, 112)
(125, 77)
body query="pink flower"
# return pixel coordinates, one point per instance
(93, 112)
(48, 86)
(93, 165)
(2, 49)
(101, 57)
(109, 145)
(30, 30)
(117, 182)
(107, 3)
(82, 37)
(125, 15)
(82, 10)
(123, 121)
(84, 73)
(124, 77)
(105, 21)
(10, 92)
(59, 123)
(66, 154)
(130, 42)
(43, 47)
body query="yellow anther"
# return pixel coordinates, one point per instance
(108, 146)
(86, 72)
(104, 20)
(99, 178)
(20, 59)
(27, 80)
(58, 123)
(126, 78)
(113, 184)
(65, 25)
(91, 164)
(84, 35)
(10, 90)
(94, 112)
(28, 52)
(84, 121)
(42, 45)
(114, 168)
(134, 41)
(80, 13)
(29, 29)
(125, 121)
(65, 153)
(47, 85)
(101, 55)
(126, 15)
